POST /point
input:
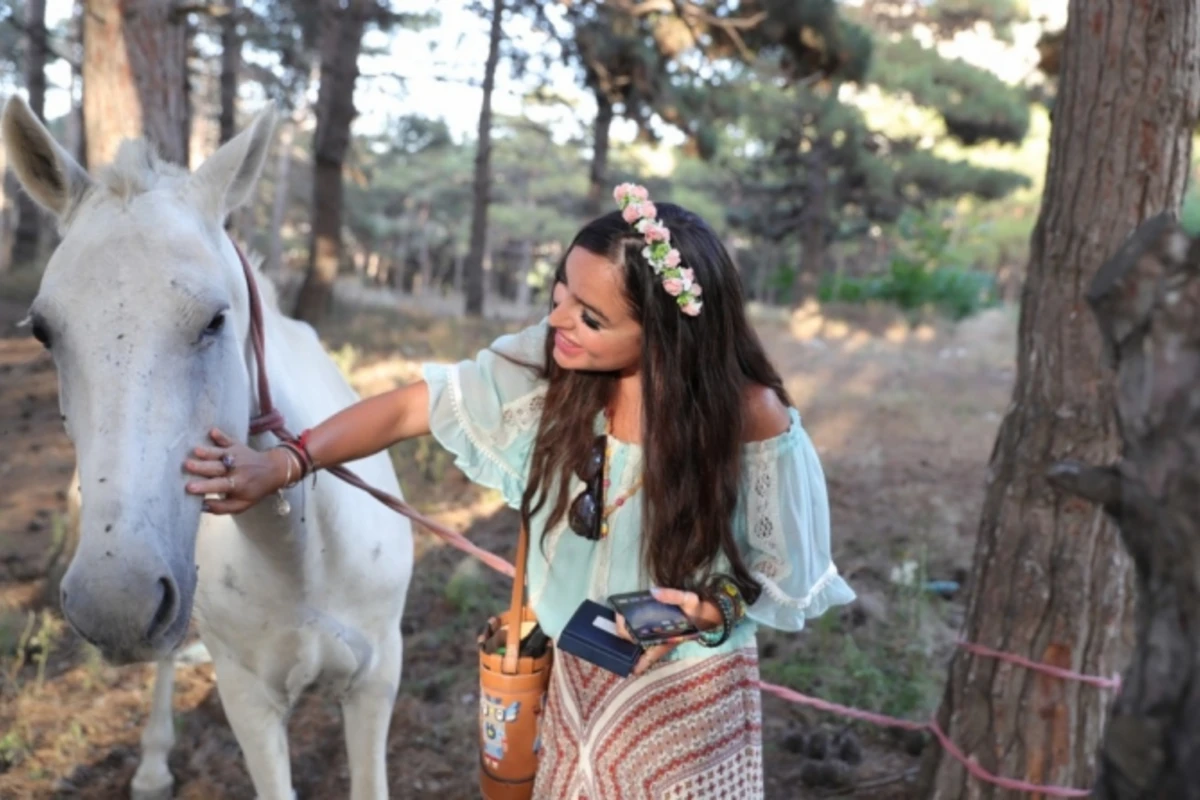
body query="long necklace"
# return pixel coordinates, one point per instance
(625, 495)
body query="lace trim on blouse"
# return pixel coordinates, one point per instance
(762, 518)
(522, 412)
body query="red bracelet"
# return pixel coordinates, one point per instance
(302, 442)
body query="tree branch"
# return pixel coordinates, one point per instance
(1100, 485)
(11, 20)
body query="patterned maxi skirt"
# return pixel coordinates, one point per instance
(686, 729)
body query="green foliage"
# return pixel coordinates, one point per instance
(921, 173)
(885, 671)
(812, 37)
(807, 154)
(961, 15)
(469, 591)
(917, 276)
(974, 103)
(1189, 213)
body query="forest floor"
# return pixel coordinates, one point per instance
(903, 412)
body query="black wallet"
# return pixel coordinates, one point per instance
(592, 635)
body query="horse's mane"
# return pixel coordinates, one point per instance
(137, 169)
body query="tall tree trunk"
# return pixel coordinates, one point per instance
(1049, 579)
(473, 268)
(424, 259)
(458, 267)
(814, 221)
(77, 127)
(8, 195)
(134, 78)
(1146, 301)
(283, 168)
(157, 40)
(598, 189)
(400, 248)
(341, 43)
(30, 221)
(231, 59)
(490, 278)
(524, 269)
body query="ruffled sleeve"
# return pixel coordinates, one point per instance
(783, 531)
(485, 411)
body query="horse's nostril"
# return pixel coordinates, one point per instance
(168, 607)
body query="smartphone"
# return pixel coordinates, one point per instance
(652, 622)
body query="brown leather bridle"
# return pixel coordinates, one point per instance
(270, 420)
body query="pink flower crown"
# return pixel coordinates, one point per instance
(680, 282)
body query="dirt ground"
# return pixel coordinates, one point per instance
(903, 414)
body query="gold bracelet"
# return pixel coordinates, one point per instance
(287, 484)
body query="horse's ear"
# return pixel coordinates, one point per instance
(45, 170)
(226, 178)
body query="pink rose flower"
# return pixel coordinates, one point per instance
(647, 209)
(640, 192)
(622, 191)
(674, 286)
(673, 258)
(692, 308)
(688, 274)
(657, 233)
(632, 213)
(696, 290)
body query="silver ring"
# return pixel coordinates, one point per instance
(227, 460)
(232, 483)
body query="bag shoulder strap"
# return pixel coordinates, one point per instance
(516, 611)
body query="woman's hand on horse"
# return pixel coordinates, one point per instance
(239, 474)
(703, 615)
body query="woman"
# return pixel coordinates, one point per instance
(648, 442)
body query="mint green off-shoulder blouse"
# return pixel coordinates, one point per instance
(485, 411)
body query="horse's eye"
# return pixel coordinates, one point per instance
(215, 325)
(41, 331)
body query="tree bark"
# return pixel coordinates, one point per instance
(424, 257)
(157, 41)
(134, 78)
(524, 270)
(340, 45)
(1049, 579)
(815, 221)
(78, 126)
(598, 190)
(473, 268)
(30, 220)
(8, 194)
(1146, 301)
(283, 167)
(231, 59)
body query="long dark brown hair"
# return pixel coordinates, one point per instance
(695, 371)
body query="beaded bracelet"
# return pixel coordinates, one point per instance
(715, 637)
(724, 593)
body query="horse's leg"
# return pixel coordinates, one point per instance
(153, 779)
(367, 712)
(259, 724)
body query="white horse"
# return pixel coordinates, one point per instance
(145, 308)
